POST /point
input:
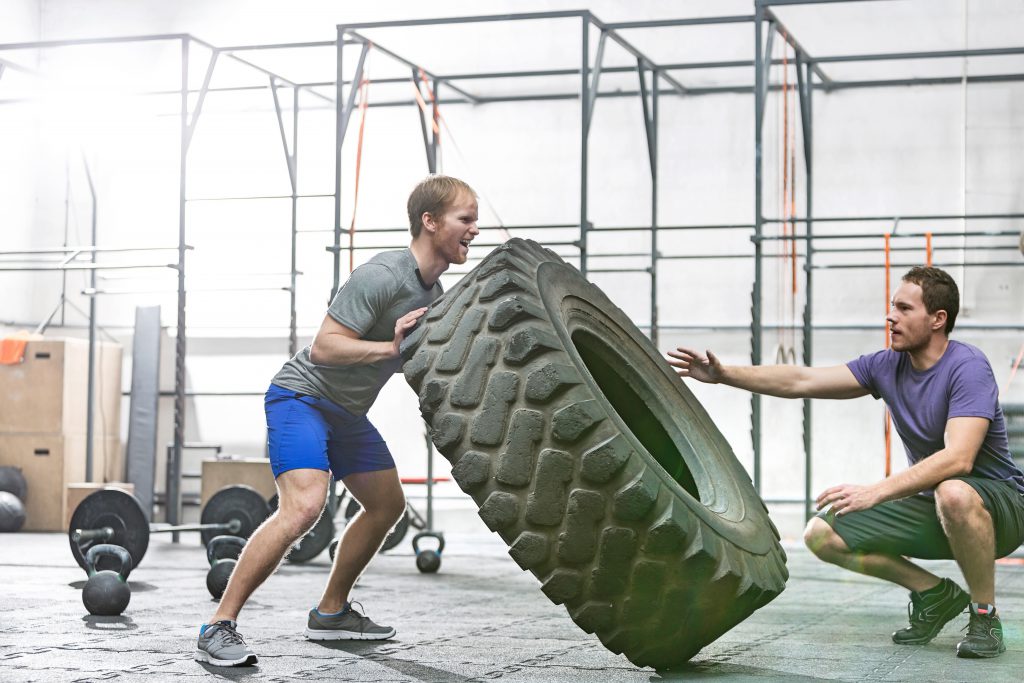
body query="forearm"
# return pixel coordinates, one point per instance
(774, 380)
(336, 349)
(924, 475)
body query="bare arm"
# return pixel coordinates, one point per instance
(785, 381)
(964, 436)
(336, 344)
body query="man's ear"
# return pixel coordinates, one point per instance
(428, 222)
(939, 323)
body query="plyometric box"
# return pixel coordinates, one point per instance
(254, 472)
(50, 462)
(76, 493)
(47, 392)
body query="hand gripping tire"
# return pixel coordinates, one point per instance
(591, 459)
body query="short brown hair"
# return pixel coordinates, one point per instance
(435, 194)
(939, 290)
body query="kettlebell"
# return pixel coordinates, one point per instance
(106, 593)
(222, 553)
(333, 548)
(428, 561)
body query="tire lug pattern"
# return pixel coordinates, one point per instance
(432, 396)
(618, 546)
(562, 585)
(578, 542)
(549, 381)
(515, 464)
(447, 432)
(513, 310)
(454, 355)
(570, 423)
(489, 426)
(444, 330)
(604, 461)
(530, 550)
(546, 503)
(503, 283)
(594, 616)
(500, 510)
(469, 387)
(635, 500)
(529, 343)
(416, 368)
(472, 470)
(451, 300)
(647, 581)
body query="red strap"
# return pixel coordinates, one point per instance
(364, 87)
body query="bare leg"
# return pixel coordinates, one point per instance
(830, 547)
(971, 533)
(380, 495)
(301, 495)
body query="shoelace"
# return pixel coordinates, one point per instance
(231, 635)
(979, 625)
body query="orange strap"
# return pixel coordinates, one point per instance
(928, 246)
(435, 114)
(364, 87)
(12, 350)
(1013, 372)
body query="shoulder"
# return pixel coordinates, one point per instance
(878, 359)
(967, 357)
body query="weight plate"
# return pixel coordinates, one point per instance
(315, 541)
(120, 511)
(243, 503)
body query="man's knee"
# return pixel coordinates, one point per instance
(823, 541)
(956, 500)
(300, 514)
(388, 508)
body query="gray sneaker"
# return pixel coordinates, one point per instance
(348, 624)
(220, 645)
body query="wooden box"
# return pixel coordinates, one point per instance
(46, 393)
(254, 472)
(76, 493)
(49, 462)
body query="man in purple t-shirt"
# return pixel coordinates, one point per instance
(961, 498)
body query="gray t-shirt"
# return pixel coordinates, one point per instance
(378, 293)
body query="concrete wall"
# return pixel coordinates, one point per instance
(891, 151)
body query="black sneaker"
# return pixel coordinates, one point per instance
(348, 624)
(929, 611)
(984, 634)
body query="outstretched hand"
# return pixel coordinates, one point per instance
(403, 325)
(690, 363)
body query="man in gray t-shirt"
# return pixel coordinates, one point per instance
(961, 497)
(317, 426)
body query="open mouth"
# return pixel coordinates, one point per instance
(465, 243)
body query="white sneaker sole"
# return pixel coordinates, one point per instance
(202, 656)
(326, 634)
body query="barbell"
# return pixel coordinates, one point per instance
(116, 516)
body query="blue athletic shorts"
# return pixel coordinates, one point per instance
(305, 432)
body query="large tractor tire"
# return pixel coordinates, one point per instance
(591, 459)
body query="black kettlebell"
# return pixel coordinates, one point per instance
(106, 593)
(428, 561)
(222, 553)
(333, 548)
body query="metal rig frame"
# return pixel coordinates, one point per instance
(651, 79)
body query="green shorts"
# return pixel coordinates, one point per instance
(910, 526)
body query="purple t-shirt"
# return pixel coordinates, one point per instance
(960, 384)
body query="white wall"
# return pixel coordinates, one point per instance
(891, 151)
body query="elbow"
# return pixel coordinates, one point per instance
(316, 355)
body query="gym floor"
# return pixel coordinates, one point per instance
(480, 618)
